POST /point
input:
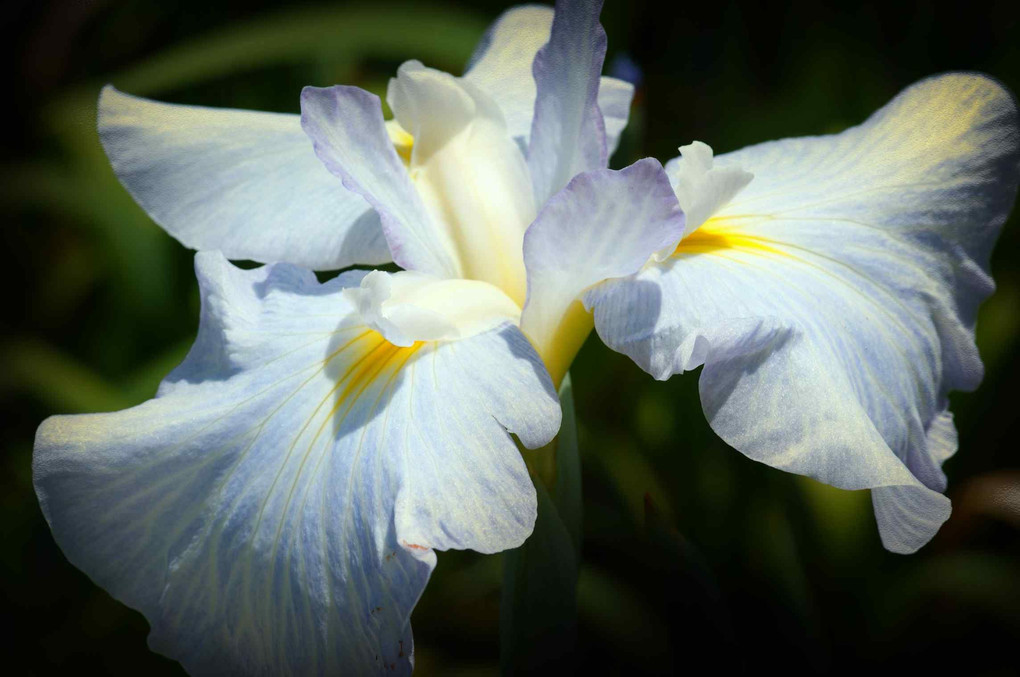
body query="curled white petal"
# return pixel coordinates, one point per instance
(604, 224)
(568, 132)
(406, 307)
(350, 137)
(702, 188)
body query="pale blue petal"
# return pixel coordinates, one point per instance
(242, 182)
(348, 132)
(502, 62)
(615, 97)
(275, 509)
(604, 224)
(502, 67)
(568, 134)
(833, 301)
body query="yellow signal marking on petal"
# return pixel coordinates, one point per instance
(359, 377)
(373, 364)
(362, 372)
(562, 346)
(356, 379)
(717, 236)
(402, 141)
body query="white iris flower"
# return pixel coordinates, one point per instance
(829, 287)
(276, 508)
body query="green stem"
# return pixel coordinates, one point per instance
(538, 609)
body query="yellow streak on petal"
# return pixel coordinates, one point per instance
(719, 235)
(402, 141)
(372, 365)
(562, 347)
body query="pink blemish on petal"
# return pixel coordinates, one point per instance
(414, 546)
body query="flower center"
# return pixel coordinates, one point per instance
(471, 175)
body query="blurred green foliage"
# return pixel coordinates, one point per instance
(691, 553)
(538, 600)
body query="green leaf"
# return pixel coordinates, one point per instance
(133, 248)
(538, 608)
(142, 384)
(430, 33)
(567, 494)
(57, 379)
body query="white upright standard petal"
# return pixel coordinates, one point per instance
(502, 62)
(568, 133)
(245, 183)
(274, 510)
(458, 202)
(502, 67)
(832, 302)
(584, 235)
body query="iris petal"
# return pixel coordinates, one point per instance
(502, 67)
(471, 175)
(584, 235)
(568, 133)
(833, 301)
(702, 189)
(274, 510)
(242, 182)
(615, 97)
(409, 307)
(501, 64)
(349, 135)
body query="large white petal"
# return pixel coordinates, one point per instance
(502, 67)
(349, 135)
(568, 133)
(833, 301)
(275, 509)
(242, 182)
(604, 224)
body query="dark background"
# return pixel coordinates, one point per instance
(746, 568)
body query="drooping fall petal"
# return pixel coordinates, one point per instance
(275, 508)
